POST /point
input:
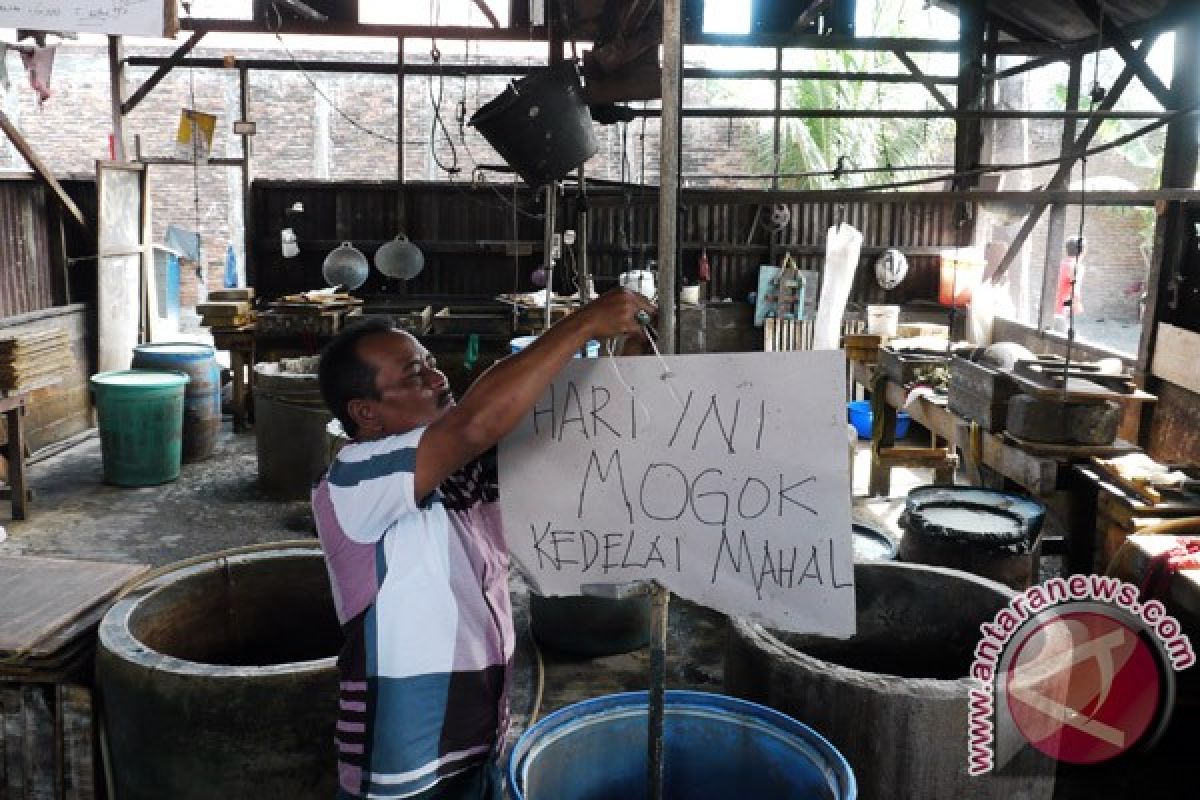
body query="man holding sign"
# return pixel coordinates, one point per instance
(409, 524)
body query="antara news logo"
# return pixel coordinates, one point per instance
(1082, 668)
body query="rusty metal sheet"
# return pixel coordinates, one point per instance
(26, 283)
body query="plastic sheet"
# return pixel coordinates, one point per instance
(842, 246)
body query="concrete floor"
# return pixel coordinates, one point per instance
(215, 505)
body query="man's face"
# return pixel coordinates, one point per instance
(412, 391)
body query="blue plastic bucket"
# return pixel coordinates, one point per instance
(519, 343)
(862, 418)
(202, 400)
(713, 746)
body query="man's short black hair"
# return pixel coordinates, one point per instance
(1075, 246)
(343, 374)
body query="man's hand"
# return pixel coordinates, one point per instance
(615, 313)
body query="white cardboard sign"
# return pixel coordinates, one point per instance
(132, 17)
(727, 482)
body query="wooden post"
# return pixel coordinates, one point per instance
(1179, 170)
(116, 76)
(968, 133)
(668, 171)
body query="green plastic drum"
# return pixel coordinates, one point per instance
(141, 425)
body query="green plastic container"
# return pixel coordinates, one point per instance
(141, 425)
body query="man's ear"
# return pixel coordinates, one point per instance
(362, 411)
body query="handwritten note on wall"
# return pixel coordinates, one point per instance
(733, 491)
(127, 17)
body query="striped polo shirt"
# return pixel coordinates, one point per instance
(421, 590)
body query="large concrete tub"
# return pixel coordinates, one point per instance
(893, 698)
(221, 682)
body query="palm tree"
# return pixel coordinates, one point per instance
(820, 145)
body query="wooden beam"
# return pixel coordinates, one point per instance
(116, 90)
(1033, 63)
(39, 166)
(1175, 356)
(172, 61)
(968, 133)
(1180, 157)
(489, 70)
(903, 113)
(1116, 38)
(1137, 197)
(668, 170)
(1064, 170)
(929, 84)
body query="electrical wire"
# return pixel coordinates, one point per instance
(435, 55)
(1152, 126)
(1094, 95)
(437, 123)
(332, 105)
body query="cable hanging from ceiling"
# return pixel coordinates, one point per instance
(1095, 95)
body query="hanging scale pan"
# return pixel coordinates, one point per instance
(890, 269)
(345, 266)
(400, 259)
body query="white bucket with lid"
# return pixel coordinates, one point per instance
(883, 320)
(642, 281)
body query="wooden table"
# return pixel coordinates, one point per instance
(1041, 470)
(12, 405)
(1037, 474)
(1104, 514)
(240, 344)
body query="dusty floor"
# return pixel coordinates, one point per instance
(216, 505)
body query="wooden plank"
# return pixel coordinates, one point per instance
(1078, 389)
(1176, 354)
(16, 461)
(38, 741)
(42, 595)
(78, 742)
(43, 172)
(1037, 474)
(1077, 451)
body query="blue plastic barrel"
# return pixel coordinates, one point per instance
(713, 746)
(519, 343)
(202, 400)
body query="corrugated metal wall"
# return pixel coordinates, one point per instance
(465, 232)
(27, 282)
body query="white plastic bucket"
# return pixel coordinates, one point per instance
(642, 281)
(883, 320)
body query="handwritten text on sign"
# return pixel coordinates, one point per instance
(132, 17)
(733, 492)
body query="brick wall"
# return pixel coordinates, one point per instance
(301, 137)
(1118, 256)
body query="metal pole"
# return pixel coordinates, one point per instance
(660, 600)
(247, 175)
(581, 240)
(548, 245)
